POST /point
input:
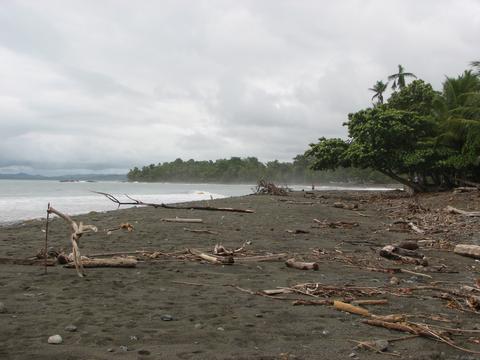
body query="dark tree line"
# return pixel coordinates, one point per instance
(249, 170)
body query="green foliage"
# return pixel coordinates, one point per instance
(328, 154)
(420, 137)
(379, 88)
(399, 78)
(249, 170)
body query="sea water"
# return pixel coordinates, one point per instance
(28, 199)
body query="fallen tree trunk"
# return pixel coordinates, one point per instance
(302, 265)
(165, 206)
(119, 262)
(472, 251)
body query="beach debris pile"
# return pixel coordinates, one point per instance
(269, 188)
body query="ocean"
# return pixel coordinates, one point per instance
(28, 199)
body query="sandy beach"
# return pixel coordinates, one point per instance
(175, 306)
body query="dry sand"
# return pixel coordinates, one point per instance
(117, 308)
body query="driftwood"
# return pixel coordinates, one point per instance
(262, 258)
(453, 210)
(394, 252)
(77, 231)
(340, 305)
(342, 205)
(182, 220)
(462, 189)
(268, 188)
(472, 251)
(223, 260)
(221, 250)
(201, 231)
(336, 224)
(301, 265)
(118, 262)
(124, 226)
(165, 206)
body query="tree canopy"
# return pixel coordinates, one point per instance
(422, 138)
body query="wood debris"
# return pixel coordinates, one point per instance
(268, 188)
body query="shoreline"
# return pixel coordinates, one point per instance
(175, 306)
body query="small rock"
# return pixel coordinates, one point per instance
(71, 328)
(143, 352)
(55, 339)
(198, 326)
(394, 280)
(381, 345)
(325, 332)
(133, 338)
(220, 328)
(123, 348)
(166, 317)
(110, 350)
(3, 308)
(259, 315)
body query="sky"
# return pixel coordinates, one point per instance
(103, 86)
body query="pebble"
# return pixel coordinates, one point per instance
(166, 317)
(55, 339)
(220, 328)
(123, 348)
(381, 345)
(394, 280)
(198, 326)
(110, 350)
(71, 328)
(3, 308)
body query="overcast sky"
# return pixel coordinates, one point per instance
(108, 85)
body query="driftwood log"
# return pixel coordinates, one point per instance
(165, 206)
(182, 220)
(453, 210)
(292, 263)
(77, 231)
(394, 252)
(219, 260)
(121, 262)
(472, 251)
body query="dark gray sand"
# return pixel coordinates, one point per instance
(171, 308)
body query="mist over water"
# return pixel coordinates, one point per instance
(28, 199)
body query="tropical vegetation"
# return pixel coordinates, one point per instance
(420, 137)
(250, 170)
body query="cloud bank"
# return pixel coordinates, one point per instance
(108, 85)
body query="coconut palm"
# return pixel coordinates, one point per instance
(476, 66)
(379, 88)
(399, 78)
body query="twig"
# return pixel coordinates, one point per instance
(46, 238)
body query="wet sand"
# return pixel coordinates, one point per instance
(174, 308)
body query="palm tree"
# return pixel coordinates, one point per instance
(379, 88)
(399, 78)
(476, 65)
(457, 110)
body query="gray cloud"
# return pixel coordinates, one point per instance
(113, 84)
